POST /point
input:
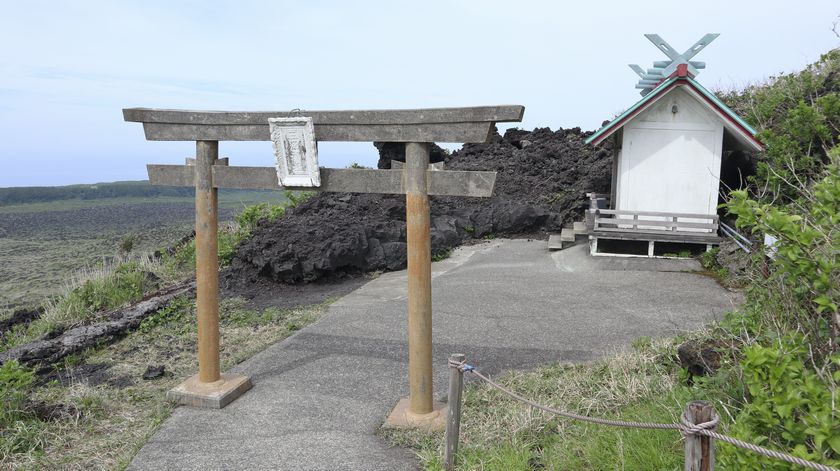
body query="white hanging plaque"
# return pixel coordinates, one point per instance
(296, 151)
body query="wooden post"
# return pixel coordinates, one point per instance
(699, 449)
(453, 418)
(206, 261)
(419, 279)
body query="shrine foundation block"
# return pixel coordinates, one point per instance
(215, 395)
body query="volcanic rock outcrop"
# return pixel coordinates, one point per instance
(542, 180)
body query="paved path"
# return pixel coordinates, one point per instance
(319, 396)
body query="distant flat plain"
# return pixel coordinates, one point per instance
(44, 245)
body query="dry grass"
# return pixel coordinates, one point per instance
(116, 412)
(500, 433)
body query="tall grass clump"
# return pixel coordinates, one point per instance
(20, 429)
(109, 286)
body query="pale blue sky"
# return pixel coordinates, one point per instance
(67, 68)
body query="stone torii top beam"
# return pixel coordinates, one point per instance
(421, 125)
(416, 128)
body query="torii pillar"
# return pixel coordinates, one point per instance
(415, 128)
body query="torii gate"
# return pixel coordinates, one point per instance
(416, 128)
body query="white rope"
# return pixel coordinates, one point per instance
(686, 427)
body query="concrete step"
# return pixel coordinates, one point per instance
(579, 226)
(567, 235)
(554, 242)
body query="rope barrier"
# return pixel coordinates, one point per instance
(685, 427)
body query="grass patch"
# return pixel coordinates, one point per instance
(442, 255)
(91, 293)
(102, 289)
(112, 414)
(498, 433)
(43, 244)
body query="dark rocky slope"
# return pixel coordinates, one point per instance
(542, 180)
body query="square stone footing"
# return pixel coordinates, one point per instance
(401, 417)
(215, 395)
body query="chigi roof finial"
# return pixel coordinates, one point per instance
(661, 70)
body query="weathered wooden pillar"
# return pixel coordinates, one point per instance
(209, 388)
(207, 261)
(419, 279)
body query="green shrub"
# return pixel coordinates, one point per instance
(708, 259)
(790, 323)
(128, 243)
(798, 115)
(251, 215)
(790, 407)
(246, 222)
(805, 272)
(227, 242)
(297, 197)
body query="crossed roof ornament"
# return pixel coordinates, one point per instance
(661, 70)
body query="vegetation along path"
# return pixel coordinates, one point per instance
(320, 395)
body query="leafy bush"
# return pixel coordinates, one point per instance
(128, 243)
(790, 324)
(790, 407)
(250, 217)
(798, 115)
(805, 275)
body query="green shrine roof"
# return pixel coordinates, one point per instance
(678, 71)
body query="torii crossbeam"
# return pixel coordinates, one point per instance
(416, 128)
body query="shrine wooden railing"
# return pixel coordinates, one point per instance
(612, 220)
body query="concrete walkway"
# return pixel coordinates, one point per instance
(319, 396)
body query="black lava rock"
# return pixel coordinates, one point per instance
(542, 179)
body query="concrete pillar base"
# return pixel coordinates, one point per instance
(401, 417)
(215, 395)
